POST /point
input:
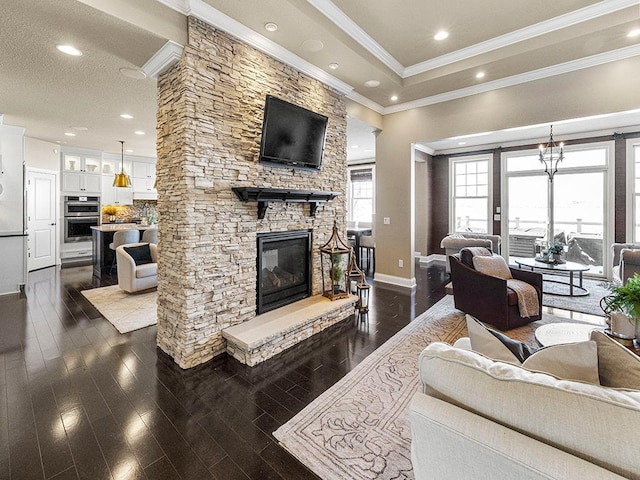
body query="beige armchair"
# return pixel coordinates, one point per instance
(134, 277)
(455, 242)
(626, 260)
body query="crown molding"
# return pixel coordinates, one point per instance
(168, 55)
(365, 102)
(205, 12)
(342, 21)
(563, 21)
(562, 68)
(424, 148)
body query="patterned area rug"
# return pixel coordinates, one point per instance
(126, 311)
(359, 428)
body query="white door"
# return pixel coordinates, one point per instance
(41, 219)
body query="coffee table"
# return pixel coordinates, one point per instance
(563, 332)
(575, 290)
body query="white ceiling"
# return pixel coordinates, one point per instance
(390, 42)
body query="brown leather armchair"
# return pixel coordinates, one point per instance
(487, 298)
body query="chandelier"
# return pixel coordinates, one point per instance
(549, 158)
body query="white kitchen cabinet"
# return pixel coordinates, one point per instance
(143, 180)
(114, 195)
(79, 182)
(81, 173)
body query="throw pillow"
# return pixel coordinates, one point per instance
(140, 254)
(496, 345)
(618, 367)
(467, 254)
(496, 266)
(568, 361)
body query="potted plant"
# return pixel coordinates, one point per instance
(625, 299)
(555, 251)
(337, 273)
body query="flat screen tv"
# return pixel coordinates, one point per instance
(292, 136)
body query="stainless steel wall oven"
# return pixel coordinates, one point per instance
(80, 214)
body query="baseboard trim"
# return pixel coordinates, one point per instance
(434, 257)
(395, 281)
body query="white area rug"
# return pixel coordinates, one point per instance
(126, 311)
(359, 428)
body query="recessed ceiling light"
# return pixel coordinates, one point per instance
(134, 73)
(128, 150)
(355, 146)
(372, 83)
(441, 35)
(271, 27)
(480, 75)
(394, 98)
(312, 45)
(70, 134)
(139, 132)
(127, 116)
(69, 50)
(80, 129)
(333, 66)
(634, 33)
(462, 143)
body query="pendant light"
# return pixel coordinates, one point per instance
(122, 180)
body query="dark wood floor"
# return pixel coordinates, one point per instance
(79, 400)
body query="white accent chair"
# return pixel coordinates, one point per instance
(134, 278)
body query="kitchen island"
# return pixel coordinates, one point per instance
(102, 236)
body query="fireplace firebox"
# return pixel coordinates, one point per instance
(284, 268)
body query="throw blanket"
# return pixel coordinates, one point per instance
(527, 297)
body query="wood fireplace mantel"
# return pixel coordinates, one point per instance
(264, 196)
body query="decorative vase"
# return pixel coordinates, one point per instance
(623, 326)
(551, 257)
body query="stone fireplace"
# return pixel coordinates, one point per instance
(284, 269)
(210, 111)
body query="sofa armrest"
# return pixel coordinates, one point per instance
(532, 278)
(154, 252)
(629, 256)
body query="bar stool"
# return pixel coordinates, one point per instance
(122, 237)
(368, 253)
(150, 235)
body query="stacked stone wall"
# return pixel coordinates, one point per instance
(209, 126)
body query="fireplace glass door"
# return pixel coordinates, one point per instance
(284, 269)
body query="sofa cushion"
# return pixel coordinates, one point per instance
(571, 361)
(141, 254)
(617, 366)
(495, 265)
(582, 419)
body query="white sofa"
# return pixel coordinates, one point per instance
(481, 419)
(454, 242)
(134, 278)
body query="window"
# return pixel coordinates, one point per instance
(633, 187)
(580, 198)
(360, 193)
(470, 206)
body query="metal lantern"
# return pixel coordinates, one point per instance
(358, 285)
(363, 297)
(335, 257)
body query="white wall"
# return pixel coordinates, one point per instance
(41, 154)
